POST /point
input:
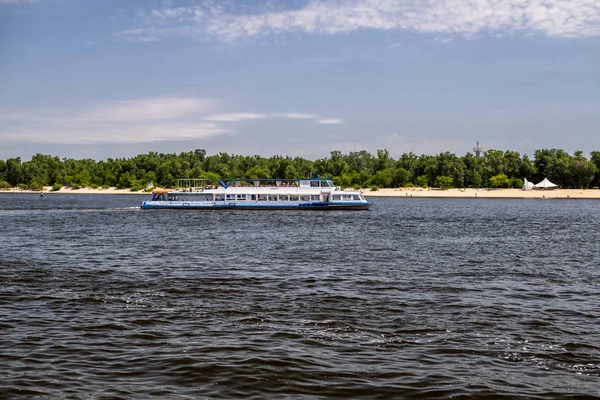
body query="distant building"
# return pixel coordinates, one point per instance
(477, 150)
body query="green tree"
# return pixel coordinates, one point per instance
(582, 171)
(526, 168)
(125, 181)
(473, 171)
(595, 158)
(402, 177)
(409, 162)
(516, 183)
(14, 171)
(444, 182)
(421, 181)
(258, 173)
(2, 169)
(384, 178)
(344, 180)
(499, 181)
(383, 160)
(210, 176)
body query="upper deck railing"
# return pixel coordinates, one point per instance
(203, 184)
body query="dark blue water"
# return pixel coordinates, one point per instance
(417, 298)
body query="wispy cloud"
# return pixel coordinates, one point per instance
(234, 117)
(130, 121)
(297, 115)
(243, 116)
(149, 109)
(330, 121)
(83, 133)
(126, 121)
(230, 22)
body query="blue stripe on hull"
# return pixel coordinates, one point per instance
(255, 206)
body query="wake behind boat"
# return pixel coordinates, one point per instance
(261, 194)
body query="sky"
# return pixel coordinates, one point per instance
(116, 78)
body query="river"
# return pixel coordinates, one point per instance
(416, 298)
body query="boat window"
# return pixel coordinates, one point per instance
(315, 197)
(304, 183)
(272, 197)
(204, 197)
(314, 183)
(253, 197)
(347, 197)
(262, 197)
(230, 197)
(241, 197)
(304, 197)
(284, 197)
(219, 197)
(337, 197)
(293, 197)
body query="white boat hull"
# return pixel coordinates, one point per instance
(246, 205)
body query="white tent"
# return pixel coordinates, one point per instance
(528, 185)
(545, 184)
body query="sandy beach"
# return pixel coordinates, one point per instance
(400, 192)
(487, 193)
(67, 190)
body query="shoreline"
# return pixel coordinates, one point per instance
(66, 190)
(486, 193)
(400, 192)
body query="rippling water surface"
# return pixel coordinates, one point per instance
(417, 298)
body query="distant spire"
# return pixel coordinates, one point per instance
(478, 150)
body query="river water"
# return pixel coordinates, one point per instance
(416, 298)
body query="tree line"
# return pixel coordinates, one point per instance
(495, 168)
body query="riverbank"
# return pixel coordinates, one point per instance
(400, 192)
(486, 193)
(67, 190)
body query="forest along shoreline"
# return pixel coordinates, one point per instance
(445, 171)
(417, 192)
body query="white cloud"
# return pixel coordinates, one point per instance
(166, 108)
(297, 115)
(129, 121)
(84, 133)
(243, 116)
(330, 121)
(125, 121)
(561, 18)
(149, 109)
(234, 117)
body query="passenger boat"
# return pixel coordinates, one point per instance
(263, 194)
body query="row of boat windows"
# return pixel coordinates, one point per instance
(267, 197)
(303, 183)
(271, 197)
(321, 184)
(284, 197)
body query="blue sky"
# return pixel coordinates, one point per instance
(115, 78)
